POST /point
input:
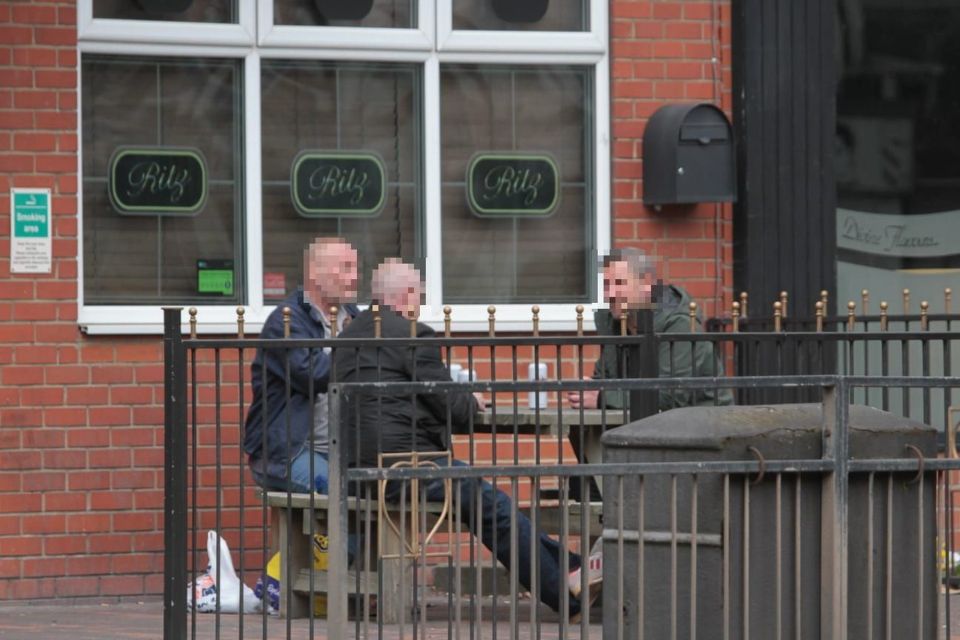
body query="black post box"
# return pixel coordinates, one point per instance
(688, 156)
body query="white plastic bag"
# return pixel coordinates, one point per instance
(206, 591)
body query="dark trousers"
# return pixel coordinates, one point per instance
(495, 515)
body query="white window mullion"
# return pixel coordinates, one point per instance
(432, 178)
(252, 179)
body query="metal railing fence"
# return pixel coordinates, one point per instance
(205, 404)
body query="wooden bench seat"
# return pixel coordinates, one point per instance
(292, 530)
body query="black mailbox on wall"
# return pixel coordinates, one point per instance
(688, 156)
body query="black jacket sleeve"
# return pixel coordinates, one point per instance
(429, 367)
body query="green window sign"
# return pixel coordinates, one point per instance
(335, 183)
(157, 181)
(215, 277)
(512, 184)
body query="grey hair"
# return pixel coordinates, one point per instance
(638, 262)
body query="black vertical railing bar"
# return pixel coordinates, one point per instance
(218, 468)
(925, 372)
(905, 369)
(286, 557)
(311, 445)
(264, 509)
(337, 518)
(194, 473)
(175, 478)
(240, 413)
(885, 371)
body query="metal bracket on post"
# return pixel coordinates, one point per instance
(834, 525)
(175, 477)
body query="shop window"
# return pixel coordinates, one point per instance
(223, 11)
(391, 14)
(359, 126)
(535, 121)
(513, 15)
(145, 237)
(397, 98)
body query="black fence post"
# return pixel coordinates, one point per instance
(643, 362)
(174, 477)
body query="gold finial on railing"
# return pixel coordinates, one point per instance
(818, 311)
(375, 310)
(535, 310)
(851, 314)
(240, 312)
(193, 322)
(334, 312)
(783, 302)
(777, 310)
(883, 315)
(906, 301)
(623, 319)
(492, 320)
(693, 317)
(743, 304)
(413, 323)
(446, 321)
(924, 307)
(735, 313)
(865, 301)
(579, 320)
(286, 322)
(825, 299)
(947, 294)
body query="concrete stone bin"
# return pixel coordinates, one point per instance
(758, 545)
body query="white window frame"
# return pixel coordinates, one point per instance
(431, 44)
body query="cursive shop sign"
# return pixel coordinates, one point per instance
(512, 184)
(157, 181)
(335, 183)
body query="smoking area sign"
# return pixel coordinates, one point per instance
(30, 246)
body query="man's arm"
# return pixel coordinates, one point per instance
(430, 367)
(305, 364)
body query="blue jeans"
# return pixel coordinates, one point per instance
(495, 512)
(300, 481)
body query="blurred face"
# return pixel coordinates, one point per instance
(399, 287)
(332, 273)
(623, 289)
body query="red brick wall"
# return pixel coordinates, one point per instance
(81, 481)
(665, 51)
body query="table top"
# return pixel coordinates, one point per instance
(550, 417)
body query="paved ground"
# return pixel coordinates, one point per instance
(144, 620)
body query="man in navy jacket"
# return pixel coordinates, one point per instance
(286, 437)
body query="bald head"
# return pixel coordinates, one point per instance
(397, 285)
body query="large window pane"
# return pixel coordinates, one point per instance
(175, 11)
(340, 108)
(523, 257)
(522, 15)
(152, 257)
(396, 14)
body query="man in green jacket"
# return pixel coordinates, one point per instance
(629, 283)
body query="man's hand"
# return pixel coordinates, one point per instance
(591, 398)
(481, 403)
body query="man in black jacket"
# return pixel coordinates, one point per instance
(286, 438)
(376, 424)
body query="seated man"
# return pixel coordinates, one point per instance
(398, 424)
(629, 283)
(281, 432)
